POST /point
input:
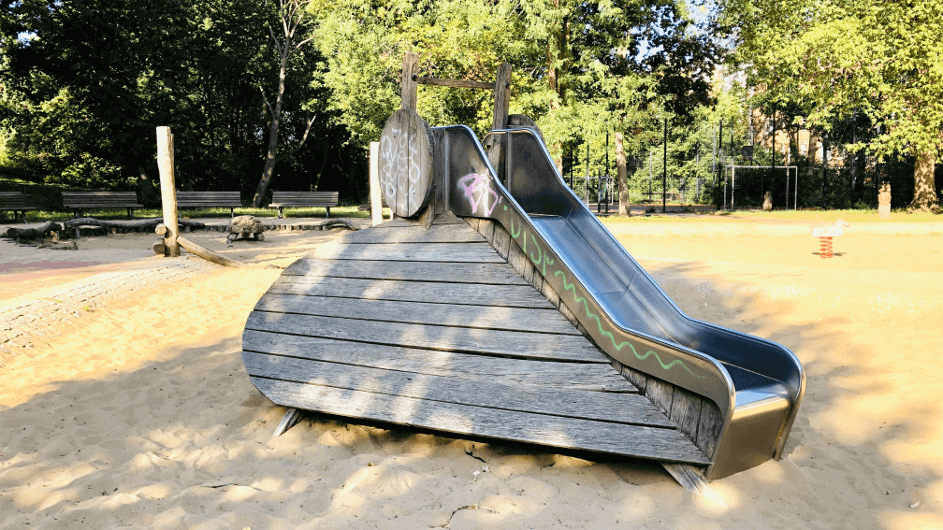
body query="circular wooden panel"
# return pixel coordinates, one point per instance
(520, 120)
(406, 163)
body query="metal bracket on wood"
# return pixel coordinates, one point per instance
(292, 416)
(693, 481)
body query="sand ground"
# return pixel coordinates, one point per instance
(124, 402)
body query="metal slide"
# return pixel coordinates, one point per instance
(756, 384)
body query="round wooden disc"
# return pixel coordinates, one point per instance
(520, 120)
(406, 163)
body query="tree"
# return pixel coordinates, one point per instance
(292, 35)
(838, 57)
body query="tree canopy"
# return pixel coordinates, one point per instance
(881, 59)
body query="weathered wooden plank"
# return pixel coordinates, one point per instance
(292, 416)
(501, 240)
(595, 377)
(428, 252)
(409, 291)
(638, 379)
(660, 393)
(473, 273)
(455, 83)
(438, 233)
(550, 294)
(708, 428)
(693, 480)
(473, 222)
(553, 431)
(437, 314)
(686, 411)
(485, 341)
(617, 408)
(517, 260)
(441, 219)
(486, 229)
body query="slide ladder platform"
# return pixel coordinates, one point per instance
(432, 328)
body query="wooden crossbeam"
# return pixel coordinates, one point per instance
(453, 83)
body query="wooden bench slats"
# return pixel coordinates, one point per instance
(588, 376)
(480, 317)
(554, 431)
(304, 199)
(15, 201)
(210, 199)
(78, 201)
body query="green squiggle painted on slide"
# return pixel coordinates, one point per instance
(578, 299)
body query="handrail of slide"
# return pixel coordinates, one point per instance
(622, 308)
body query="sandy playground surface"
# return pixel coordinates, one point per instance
(124, 402)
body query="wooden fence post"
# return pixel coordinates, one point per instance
(168, 190)
(376, 194)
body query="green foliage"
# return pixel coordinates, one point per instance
(578, 67)
(83, 94)
(836, 58)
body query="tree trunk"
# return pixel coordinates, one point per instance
(925, 198)
(622, 175)
(269, 170)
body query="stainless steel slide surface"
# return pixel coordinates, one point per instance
(756, 384)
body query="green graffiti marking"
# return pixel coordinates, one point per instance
(618, 347)
(543, 260)
(539, 252)
(514, 234)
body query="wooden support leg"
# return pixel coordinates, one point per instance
(693, 481)
(292, 416)
(328, 214)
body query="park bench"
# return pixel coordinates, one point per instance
(79, 201)
(210, 199)
(14, 201)
(304, 199)
(369, 207)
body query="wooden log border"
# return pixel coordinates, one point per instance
(698, 418)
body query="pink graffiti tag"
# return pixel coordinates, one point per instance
(480, 184)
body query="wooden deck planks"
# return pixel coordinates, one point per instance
(439, 314)
(488, 295)
(632, 409)
(596, 377)
(553, 431)
(441, 219)
(426, 252)
(432, 328)
(438, 233)
(470, 273)
(481, 341)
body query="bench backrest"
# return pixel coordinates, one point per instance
(12, 199)
(226, 199)
(106, 199)
(305, 198)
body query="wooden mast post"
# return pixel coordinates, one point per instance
(502, 102)
(168, 190)
(376, 194)
(409, 85)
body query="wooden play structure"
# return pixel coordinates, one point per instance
(497, 307)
